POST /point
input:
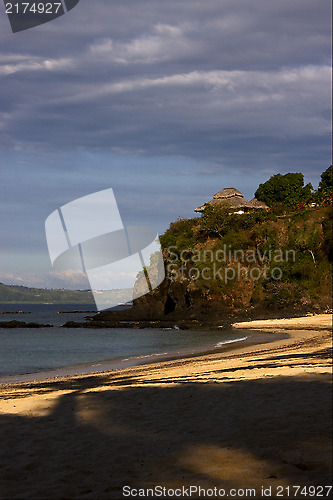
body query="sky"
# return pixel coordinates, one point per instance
(164, 101)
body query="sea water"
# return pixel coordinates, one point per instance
(54, 349)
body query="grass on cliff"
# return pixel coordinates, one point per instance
(280, 258)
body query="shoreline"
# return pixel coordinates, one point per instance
(309, 322)
(271, 333)
(258, 416)
(87, 369)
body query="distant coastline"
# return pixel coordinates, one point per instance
(16, 294)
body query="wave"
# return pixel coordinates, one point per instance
(224, 342)
(146, 356)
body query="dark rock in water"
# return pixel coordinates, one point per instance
(86, 324)
(22, 324)
(71, 324)
(13, 324)
(15, 312)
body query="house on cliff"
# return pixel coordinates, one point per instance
(234, 199)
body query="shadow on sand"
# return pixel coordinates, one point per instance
(96, 439)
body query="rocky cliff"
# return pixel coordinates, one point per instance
(254, 265)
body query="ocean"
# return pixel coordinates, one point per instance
(28, 353)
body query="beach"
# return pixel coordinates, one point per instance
(253, 420)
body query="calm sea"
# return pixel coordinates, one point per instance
(61, 351)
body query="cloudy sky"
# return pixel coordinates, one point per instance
(167, 102)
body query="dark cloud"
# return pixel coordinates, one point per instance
(137, 75)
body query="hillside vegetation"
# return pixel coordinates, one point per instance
(257, 261)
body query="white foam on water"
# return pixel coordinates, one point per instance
(146, 356)
(224, 342)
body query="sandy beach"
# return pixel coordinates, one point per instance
(252, 422)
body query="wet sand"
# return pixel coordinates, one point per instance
(257, 416)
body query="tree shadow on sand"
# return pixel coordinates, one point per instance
(96, 439)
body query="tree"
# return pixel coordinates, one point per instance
(325, 188)
(216, 220)
(287, 189)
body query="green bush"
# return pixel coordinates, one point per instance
(287, 189)
(179, 234)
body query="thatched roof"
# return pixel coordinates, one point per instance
(234, 202)
(234, 199)
(227, 193)
(201, 208)
(259, 204)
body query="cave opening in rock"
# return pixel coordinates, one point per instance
(169, 306)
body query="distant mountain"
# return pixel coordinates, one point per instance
(12, 294)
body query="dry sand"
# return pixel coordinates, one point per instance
(255, 417)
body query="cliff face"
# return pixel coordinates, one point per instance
(257, 263)
(184, 299)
